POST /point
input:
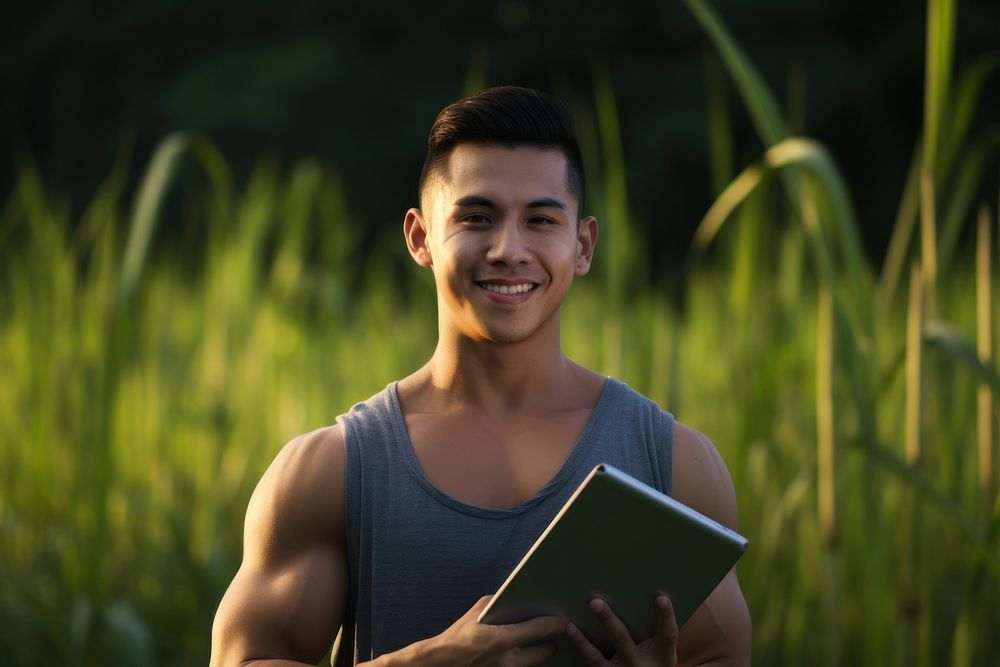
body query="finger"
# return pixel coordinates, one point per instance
(531, 631)
(477, 608)
(536, 654)
(587, 651)
(617, 632)
(666, 629)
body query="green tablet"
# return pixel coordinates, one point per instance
(621, 540)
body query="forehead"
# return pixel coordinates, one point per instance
(515, 175)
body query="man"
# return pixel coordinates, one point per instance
(397, 522)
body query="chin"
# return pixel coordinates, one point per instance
(504, 336)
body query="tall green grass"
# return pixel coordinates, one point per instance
(156, 353)
(865, 322)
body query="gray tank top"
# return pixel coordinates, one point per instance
(418, 558)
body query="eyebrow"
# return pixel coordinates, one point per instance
(479, 200)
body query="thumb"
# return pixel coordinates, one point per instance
(479, 606)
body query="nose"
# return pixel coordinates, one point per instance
(508, 245)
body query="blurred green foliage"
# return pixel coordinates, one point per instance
(160, 340)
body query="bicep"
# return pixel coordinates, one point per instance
(291, 612)
(287, 599)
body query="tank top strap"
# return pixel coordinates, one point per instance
(639, 427)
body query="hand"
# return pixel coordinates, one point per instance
(659, 650)
(470, 643)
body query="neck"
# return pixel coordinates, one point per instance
(501, 377)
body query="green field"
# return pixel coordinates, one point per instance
(156, 352)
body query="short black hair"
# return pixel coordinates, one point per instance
(508, 116)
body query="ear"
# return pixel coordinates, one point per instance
(415, 233)
(585, 242)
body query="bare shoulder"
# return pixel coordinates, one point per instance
(700, 477)
(300, 496)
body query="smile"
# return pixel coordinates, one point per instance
(508, 289)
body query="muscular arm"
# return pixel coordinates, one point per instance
(719, 632)
(287, 600)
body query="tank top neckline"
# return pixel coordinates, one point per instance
(579, 453)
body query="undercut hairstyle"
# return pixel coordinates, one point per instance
(508, 116)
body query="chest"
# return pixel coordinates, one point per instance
(494, 463)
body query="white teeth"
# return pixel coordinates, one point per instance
(509, 289)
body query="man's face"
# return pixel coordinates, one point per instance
(500, 232)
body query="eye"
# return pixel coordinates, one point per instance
(476, 219)
(540, 220)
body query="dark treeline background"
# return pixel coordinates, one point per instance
(357, 84)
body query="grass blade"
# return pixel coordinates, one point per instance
(799, 152)
(928, 241)
(966, 101)
(616, 232)
(734, 194)
(914, 368)
(826, 485)
(155, 185)
(621, 262)
(984, 342)
(720, 133)
(970, 175)
(902, 231)
(756, 96)
(961, 351)
(939, 53)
